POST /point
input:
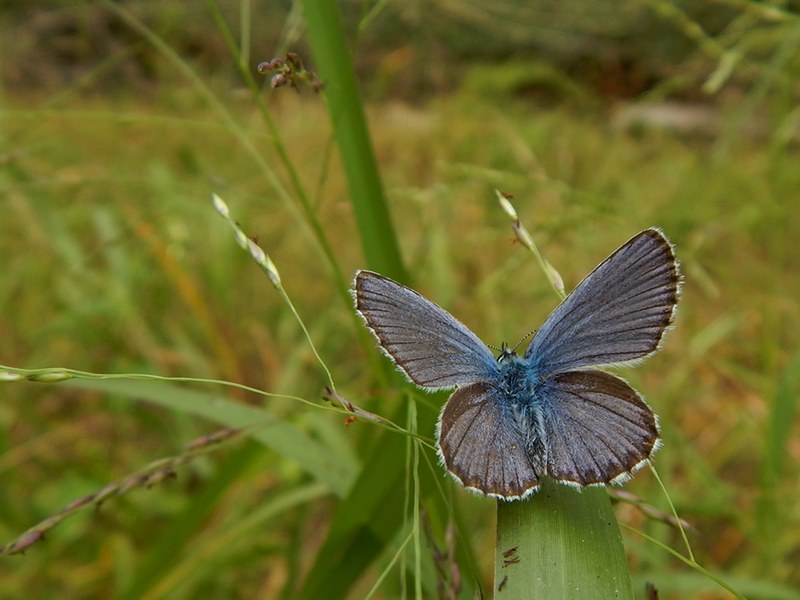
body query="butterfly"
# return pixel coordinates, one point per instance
(551, 412)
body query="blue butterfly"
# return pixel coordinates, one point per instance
(551, 412)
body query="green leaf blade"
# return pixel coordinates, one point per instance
(560, 544)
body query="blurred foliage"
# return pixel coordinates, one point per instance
(621, 48)
(114, 261)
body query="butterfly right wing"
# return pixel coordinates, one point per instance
(617, 314)
(482, 449)
(432, 347)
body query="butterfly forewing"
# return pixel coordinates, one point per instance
(480, 448)
(617, 314)
(431, 346)
(599, 430)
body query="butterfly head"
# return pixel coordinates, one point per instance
(506, 353)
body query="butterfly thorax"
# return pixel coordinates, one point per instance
(517, 378)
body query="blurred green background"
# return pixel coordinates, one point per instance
(600, 118)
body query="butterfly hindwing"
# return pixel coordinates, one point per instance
(599, 429)
(480, 447)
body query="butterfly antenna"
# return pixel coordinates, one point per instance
(524, 337)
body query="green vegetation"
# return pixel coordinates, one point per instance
(114, 261)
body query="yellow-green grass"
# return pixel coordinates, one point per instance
(114, 261)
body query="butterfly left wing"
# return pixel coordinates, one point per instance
(433, 348)
(599, 430)
(482, 449)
